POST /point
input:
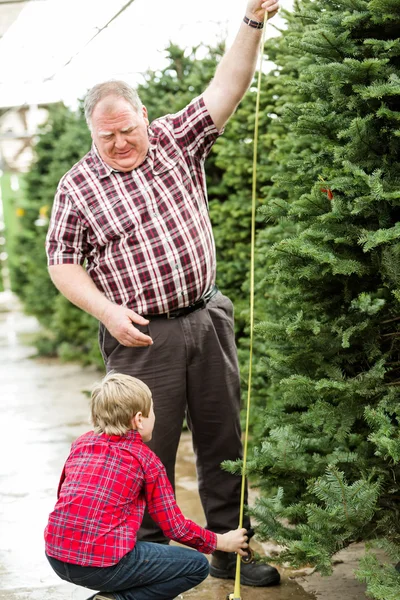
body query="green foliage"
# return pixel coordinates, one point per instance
(11, 196)
(326, 449)
(325, 526)
(185, 77)
(73, 335)
(383, 580)
(62, 141)
(60, 144)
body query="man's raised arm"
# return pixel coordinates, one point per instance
(235, 72)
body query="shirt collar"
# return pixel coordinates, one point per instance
(131, 434)
(102, 168)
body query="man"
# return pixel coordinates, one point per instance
(135, 209)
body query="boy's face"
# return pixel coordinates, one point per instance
(147, 425)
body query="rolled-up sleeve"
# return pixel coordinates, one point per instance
(65, 240)
(194, 129)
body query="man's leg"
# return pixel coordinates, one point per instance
(162, 367)
(214, 417)
(214, 410)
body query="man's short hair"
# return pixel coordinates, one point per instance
(116, 88)
(115, 400)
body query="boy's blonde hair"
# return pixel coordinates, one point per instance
(115, 400)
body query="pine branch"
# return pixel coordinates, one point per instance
(333, 46)
(340, 482)
(394, 334)
(390, 320)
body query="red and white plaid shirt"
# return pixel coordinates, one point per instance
(145, 234)
(105, 485)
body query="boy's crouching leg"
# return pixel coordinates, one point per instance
(202, 568)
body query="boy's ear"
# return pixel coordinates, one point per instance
(137, 421)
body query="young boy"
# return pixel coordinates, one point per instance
(107, 480)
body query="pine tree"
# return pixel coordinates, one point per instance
(232, 219)
(60, 141)
(328, 450)
(67, 332)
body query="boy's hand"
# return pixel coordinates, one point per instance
(233, 541)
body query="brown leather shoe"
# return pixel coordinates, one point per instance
(223, 566)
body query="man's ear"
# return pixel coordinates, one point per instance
(137, 421)
(145, 115)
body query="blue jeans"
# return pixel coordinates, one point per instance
(149, 572)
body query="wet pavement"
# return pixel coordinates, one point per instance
(43, 409)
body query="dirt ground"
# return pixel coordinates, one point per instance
(43, 409)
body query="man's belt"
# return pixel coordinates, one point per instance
(182, 312)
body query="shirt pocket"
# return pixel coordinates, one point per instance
(110, 221)
(174, 180)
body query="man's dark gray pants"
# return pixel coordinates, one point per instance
(192, 370)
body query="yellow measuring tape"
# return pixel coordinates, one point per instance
(236, 593)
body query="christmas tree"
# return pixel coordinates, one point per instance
(328, 284)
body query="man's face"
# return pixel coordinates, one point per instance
(120, 133)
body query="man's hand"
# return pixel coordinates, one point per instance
(236, 70)
(233, 541)
(119, 322)
(76, 285)
(256, 9)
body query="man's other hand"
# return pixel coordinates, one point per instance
(120, 320)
